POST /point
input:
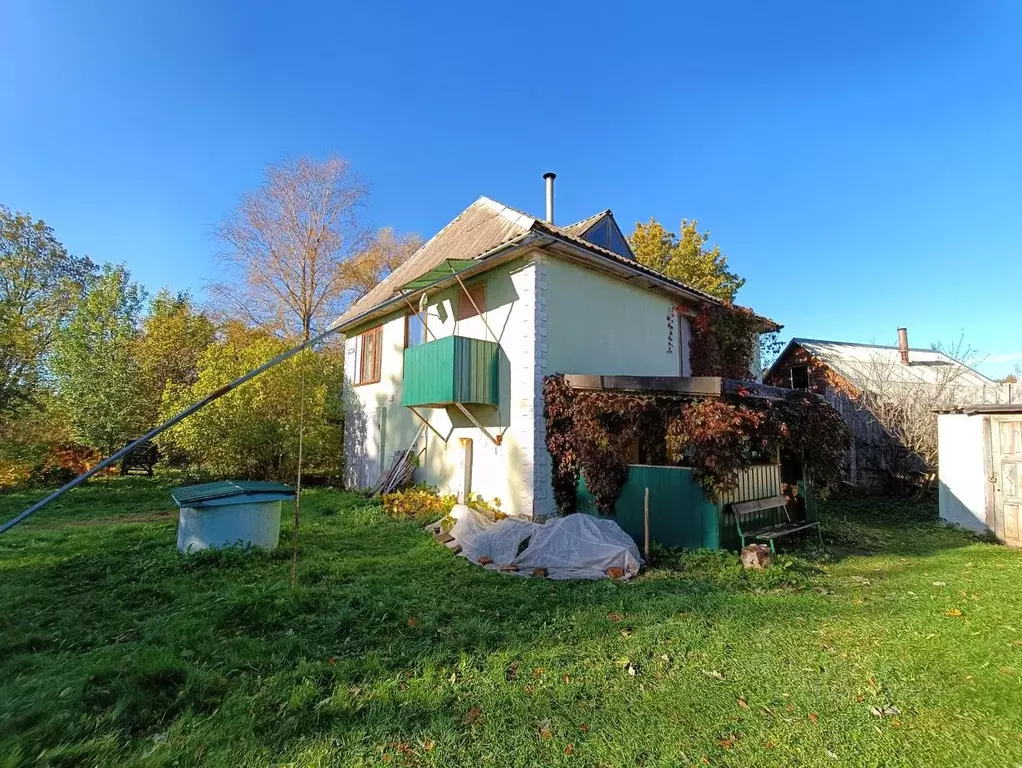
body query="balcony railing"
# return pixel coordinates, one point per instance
(449, 370)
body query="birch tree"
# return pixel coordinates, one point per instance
(288, 245)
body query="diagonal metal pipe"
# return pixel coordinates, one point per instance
(164, 426)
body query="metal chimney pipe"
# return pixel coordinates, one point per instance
(903, 345)
(550, 176)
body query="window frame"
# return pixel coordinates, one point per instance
(377, 333)
(408, 320)
(465, 310)
(808, 380)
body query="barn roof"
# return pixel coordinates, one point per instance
(856, 362)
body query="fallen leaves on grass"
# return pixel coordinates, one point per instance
(544, 729)
(713, 673)
(953, 612)
(473, 717)
(743, 703)
(569, 748)
(511, 673)
(814, 718)
(412, 621)
(585, 727)
(614, 616)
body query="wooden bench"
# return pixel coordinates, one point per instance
(745, 509)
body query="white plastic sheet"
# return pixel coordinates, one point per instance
(574, 547)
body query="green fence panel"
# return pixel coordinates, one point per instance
(451, 369)
(679, 514)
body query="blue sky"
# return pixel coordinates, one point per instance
(860, 164)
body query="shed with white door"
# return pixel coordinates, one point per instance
(980, 458)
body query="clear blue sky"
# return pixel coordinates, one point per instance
(861, 165)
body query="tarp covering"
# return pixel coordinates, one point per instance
(572, 547)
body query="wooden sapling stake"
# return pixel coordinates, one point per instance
(645, 517)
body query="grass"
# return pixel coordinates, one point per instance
(116, 650)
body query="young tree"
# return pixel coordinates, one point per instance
(173, 337)
(288, 244)
(40, 284)
(685, 257)
(97, 374)
(254, 430)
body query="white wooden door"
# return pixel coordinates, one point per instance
(1006, 439)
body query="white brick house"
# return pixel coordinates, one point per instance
(522, 299)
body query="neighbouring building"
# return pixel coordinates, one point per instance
(981, 469)
(447, 356)
(842, 371)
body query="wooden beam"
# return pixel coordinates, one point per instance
(707, 386)
(739, 388)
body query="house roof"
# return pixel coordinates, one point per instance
(854, 362)
(482, 228)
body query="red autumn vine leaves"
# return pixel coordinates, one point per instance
(590, 433)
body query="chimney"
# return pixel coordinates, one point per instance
(903, 345)
(550, 176)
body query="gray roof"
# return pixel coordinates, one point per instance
(854, 361)
(482, 227)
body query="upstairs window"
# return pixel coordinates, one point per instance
(470, 299)
(370, 357)
(415, 332)
(800, 377)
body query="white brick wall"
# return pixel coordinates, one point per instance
(543, 495)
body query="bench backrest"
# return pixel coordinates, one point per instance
(742, 509)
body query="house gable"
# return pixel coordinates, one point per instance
(603, 230)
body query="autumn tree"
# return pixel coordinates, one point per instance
(173, 337)
(253, 431)
(288, 245)
(40, 284)
(97, 375)
(685, 257)
(386, 252)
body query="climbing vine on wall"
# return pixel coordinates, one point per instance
(595, 435)
(724, 339)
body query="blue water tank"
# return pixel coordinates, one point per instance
(229, 513)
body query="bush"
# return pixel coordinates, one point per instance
(418, 503)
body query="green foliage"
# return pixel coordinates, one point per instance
(172, 340)
(685, 257)
(114, 650)
(98, 376)
(724, 340)
(40, 284)
(252, 432)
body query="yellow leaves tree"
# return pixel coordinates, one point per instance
(253, 431)
(686, 257)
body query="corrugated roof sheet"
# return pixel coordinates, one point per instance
(186, 495)
(856, 362)
(482, 227)
(475, 231)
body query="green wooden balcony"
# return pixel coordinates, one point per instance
(452, 369)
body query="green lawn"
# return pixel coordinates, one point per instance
(116, 650)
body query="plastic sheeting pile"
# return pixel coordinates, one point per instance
(574, 547)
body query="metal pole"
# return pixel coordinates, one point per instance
(162, 428)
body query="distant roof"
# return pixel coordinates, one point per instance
(853, 361)
(481, 229)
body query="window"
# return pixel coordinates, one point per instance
(477, 295)
(370, 356)
(800, 377)
(415, 332)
